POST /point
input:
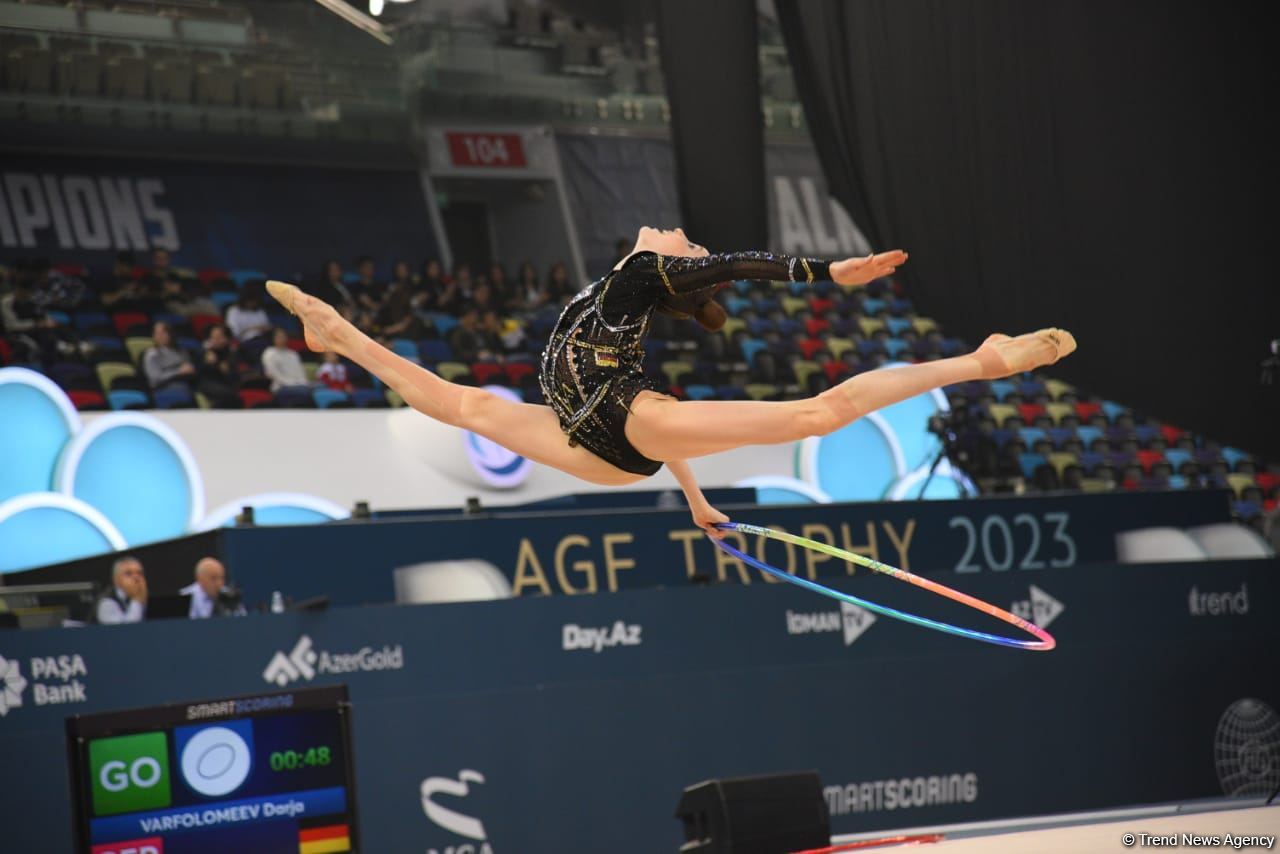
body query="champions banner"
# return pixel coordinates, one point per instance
(209, 215)
(572, 723)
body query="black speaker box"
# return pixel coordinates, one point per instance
(768, 814)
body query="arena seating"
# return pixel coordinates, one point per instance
(781, 341)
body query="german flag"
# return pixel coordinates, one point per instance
(324, 840)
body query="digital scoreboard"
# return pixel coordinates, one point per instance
(264, 774)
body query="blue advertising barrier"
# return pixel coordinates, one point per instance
(592, 551)
(571, 723)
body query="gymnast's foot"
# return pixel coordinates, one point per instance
(322, 325)
(1002, 356)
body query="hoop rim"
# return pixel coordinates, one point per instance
(1044, 641)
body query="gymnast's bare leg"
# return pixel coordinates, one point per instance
(664, 429)
(525, 428)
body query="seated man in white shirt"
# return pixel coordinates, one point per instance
(126, 601)
(211, 580)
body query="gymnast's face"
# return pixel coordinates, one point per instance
(668, 242)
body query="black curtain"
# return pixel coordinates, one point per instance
(1105, 167)
(712, 68)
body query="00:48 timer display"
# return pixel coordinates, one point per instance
(289, 760)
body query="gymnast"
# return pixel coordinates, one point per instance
(605, 422)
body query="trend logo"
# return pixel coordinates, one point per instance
(11, 685)
(1040, 608)
(299, 663)
(454, 822)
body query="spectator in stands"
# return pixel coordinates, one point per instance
(160, 268)
(210, 596)
(402, 276)
(124, 291)
(333, 373)
(558, 289)
(179, 300)
(367, 290)
(331, 288)
(430, 286)
(281, 364)
(469, 342)
(506, 338)
(483, 298)
(164, 364)
(248, 322)
(55, 290)
(26, 326)
(126, 600)
(498, 281)
(218, 376)
(395, 317)
(527, 293)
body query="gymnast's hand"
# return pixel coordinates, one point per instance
(859, 271)
(705, 517)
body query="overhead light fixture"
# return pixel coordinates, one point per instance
(376, 6)
(359, 19)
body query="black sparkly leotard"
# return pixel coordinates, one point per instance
(592, 367)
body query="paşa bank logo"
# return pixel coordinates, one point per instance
(129, 773)
(305, 662)
(54, 681)
(449, 818)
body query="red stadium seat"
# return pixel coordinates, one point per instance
(72, 270)
(127, 323)
(810, 346)
(821, 305)
(1087, 410)
(1150, 458)
(207, 276)
(516, 371)
(1171, 434)
(5, 352)
(836, 371)
(87, 399)
(1031, 411)
(815, 326)
(297, 345)
(200, 323)
(1267, 480)
(487, 372)
(253, 398)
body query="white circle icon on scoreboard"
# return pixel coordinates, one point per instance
(216, 761)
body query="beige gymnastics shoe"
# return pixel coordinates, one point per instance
(1002, 356)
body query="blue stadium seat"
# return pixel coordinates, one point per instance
(1031, 389)
(1177, 481)
(445, 324)
(223, 299)
(127, 398)
(367, 398)
(895, 346)
(1031, 462)
(242, 276)
(751, 346)
(435, 350)
(1111, 410)
(1002, 389)
(1176, 457)
(406, 348)
(86, 320)
(173, 397)
(736, 304)
(872, 306)
(294, 397)
(1031, 435)
(1088, 435)
(1234, 455)
(328, 397)
(897, 325)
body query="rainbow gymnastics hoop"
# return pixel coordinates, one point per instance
(1044, 642)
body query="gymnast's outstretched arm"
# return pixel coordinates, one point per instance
(704, 515)
(689, 274)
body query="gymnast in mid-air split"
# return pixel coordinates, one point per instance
(605, 422)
